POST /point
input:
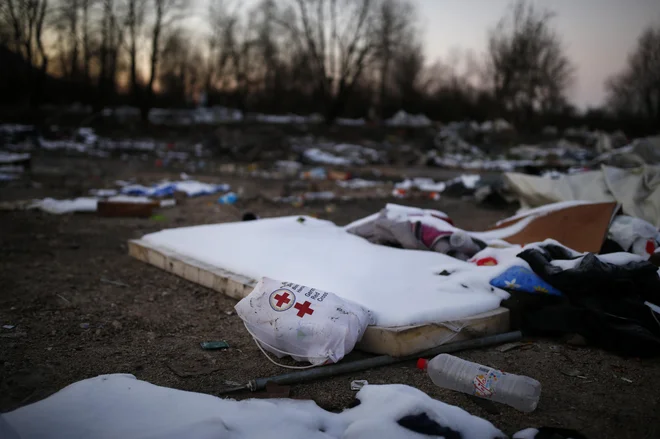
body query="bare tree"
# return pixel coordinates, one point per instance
(394, 34)
(636, 90)
(134, 23)
(527, 66)
(166, 12)
(65, 20)
(86, 45)
(26, 18)
(337, 38)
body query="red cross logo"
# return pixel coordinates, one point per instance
(281, 300)
(304, 309)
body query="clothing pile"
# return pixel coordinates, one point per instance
(608, 299)
(417, 229)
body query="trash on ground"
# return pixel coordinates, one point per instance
(114, 282)
(229, 198)
(288, 319)
(358, 384)
(573, 373)
(8, 327)
(450, 372)
(214, 345)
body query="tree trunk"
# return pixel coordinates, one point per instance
(146, 103)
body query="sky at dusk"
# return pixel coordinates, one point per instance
(597, 34)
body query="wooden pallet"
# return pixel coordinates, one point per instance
(395, 341)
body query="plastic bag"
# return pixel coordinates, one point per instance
(308, 324)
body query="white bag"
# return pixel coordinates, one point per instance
(309, 325)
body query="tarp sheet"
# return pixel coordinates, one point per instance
(637, 190)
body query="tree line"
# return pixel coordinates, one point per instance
(350, 58)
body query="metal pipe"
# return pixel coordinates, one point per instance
(383, 360)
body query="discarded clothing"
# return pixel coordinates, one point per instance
(522, 279)
(417, 229)
(603, 299)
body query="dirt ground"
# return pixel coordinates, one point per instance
(72, 324)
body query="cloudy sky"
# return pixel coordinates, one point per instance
(598, 34)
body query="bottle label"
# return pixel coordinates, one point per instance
(485, 382)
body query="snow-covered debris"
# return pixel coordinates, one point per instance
(358, 183)
(422, 184)
(497, 125)
(448, 140)
(403, 119)
(89, 204)
(191, 188)
(119, 405)
(358, 154)
(315, 155)
(87, 136)
(350, 122)
(103, 192)
(7, 176)
(9, 158)
(67, 145)
(284, 119)
(15, 128)
(58, 207)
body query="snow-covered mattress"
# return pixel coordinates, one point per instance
(400, 287)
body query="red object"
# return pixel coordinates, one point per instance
(159, 163)
(282, 299)
(304, 309)
(650, 246)
(422, 363)
(486, 261)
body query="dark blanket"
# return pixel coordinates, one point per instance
(601, 301)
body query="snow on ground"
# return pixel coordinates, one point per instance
(318, 156)
(321, 255)
(8, 157)
(358, 183)
(350, 122)
(191, 188)
(469, 181)
(403, 119)
(121, 406)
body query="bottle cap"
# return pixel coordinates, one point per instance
(422, 363)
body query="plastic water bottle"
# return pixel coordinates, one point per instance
(520, 392)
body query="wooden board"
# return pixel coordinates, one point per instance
(395, 341)
(583, 227)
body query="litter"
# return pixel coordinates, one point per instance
(214, 345)
(229, 198)
(637, 190)
(8, 327)
(191, 188)
(374, 362)
(114, 282)
(358, 384)
(417, 230)
(449, 372)
(308, 324)
(598, 293)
